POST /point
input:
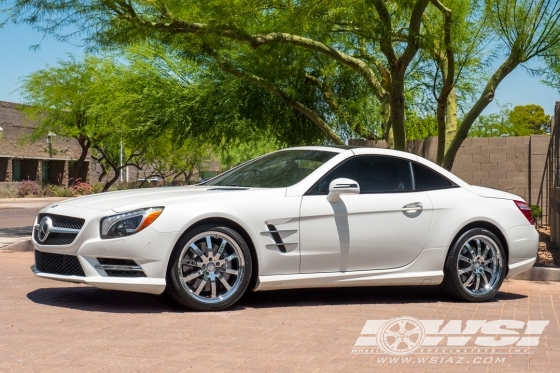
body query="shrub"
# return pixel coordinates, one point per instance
(536, 211)
(57, 191)
(97, 187)
(29, 188)
(81, 189)
(9, 191)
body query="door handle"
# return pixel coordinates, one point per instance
(412, 208)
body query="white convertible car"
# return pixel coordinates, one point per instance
(296, 218)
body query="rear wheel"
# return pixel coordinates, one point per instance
(209, 269)
(475, 266)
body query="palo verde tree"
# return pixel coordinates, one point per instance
(308, 53)
(59, 99)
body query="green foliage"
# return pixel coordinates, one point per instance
(243, 152)
(420, 127)
(528, 120)
(304, 72)
(8, 190)
(536, 211)
(57, 191)
(522, 120)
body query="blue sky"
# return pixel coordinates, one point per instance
(18, 60)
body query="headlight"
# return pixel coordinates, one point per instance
(128, 223)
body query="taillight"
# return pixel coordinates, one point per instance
(525, 210)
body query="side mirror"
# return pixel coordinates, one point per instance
(342, 186)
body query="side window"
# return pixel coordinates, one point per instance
(427, 179)
(374, 174)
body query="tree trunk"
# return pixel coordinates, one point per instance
(84, 144)
(397, 111)
(451, 117)
(483, 101)
(111, 181)
(387, 128)
(447, 124)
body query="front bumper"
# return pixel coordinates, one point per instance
(149, 249)
(140, 285)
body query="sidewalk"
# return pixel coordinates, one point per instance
(25, 203)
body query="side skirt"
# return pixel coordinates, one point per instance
(426, 269)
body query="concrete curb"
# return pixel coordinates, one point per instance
(539, 274)
(34, 199)
(25, 245)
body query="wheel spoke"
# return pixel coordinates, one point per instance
(234, 272)
(408, 342)
(488, 270)
(396, 343)
(209, 244)
(485, 279)
(471, 250)
(391, 333)
(477, 283)
(463, 270)
(465, 259)
(402, 326)
(200, 287)
(485, 251)
(487, 261)
(213, 287)
(478, 248)
(230, 258)
(193, 275)
(197, 250)
(192, 263)
(469, 280)
(416, 330)
(221, 249)
(225, 283)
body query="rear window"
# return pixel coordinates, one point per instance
(427, 179)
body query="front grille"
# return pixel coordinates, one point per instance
(59, 221)
(56, 238)
(63, 221)
(58, 264)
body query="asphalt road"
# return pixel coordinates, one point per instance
(17, 222)
(17, 217)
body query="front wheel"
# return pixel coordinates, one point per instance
(209, 269)
(475, 266)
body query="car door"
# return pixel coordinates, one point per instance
(385, 226)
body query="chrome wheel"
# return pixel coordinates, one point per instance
(479, 265)
(211, 266)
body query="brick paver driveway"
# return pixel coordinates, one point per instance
(59, 327)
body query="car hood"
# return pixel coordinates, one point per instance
(136, 198)
(493, 193)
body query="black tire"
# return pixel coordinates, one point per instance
(456, 275)
(184, 292)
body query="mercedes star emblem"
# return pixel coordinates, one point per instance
(45, 227)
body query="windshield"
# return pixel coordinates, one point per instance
(275, 170)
